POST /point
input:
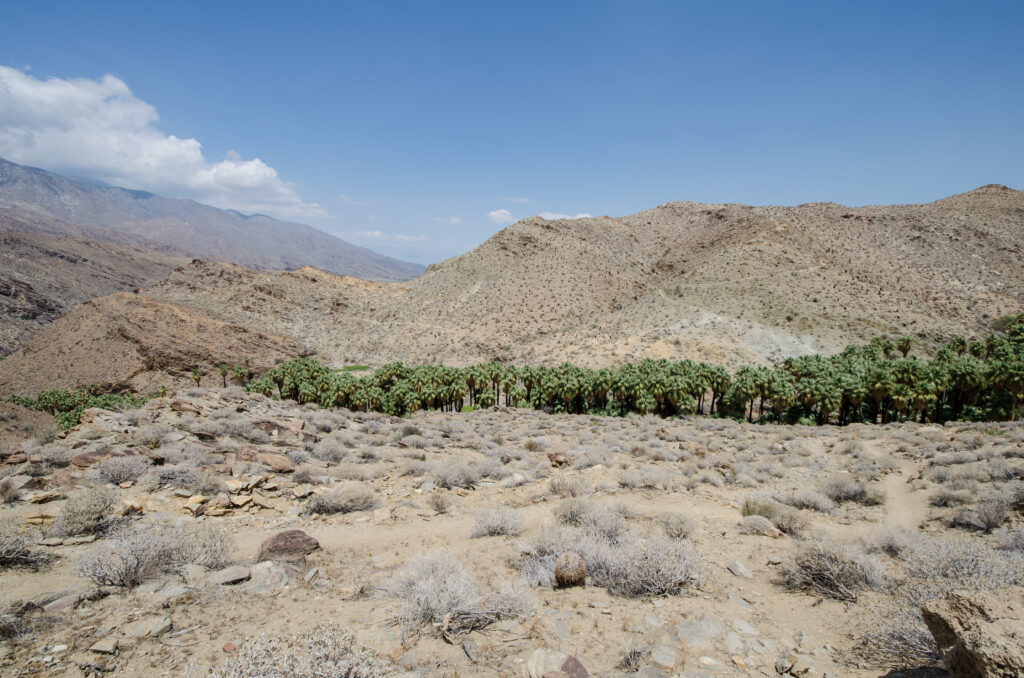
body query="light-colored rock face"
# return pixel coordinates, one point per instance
(980, 634)
(374, 503)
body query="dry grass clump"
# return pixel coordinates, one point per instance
(1011, 539)
(603, 521)
(677, 526)
(326, 650)
(893, 542)
(441, 503)
(565, 487)
(119, 470)
(88, 512)
(15, 548)
(808, 499)
(455, 475)
(832, 569)
(9, 490)
(845, 489)
(137, 555)
(438, 594)
(346, 498)
(984, 517)
(757, 524)
(495, 522)
(785, 518)
(622, 563)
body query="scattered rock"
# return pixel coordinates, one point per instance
(980, 634)
(151, 626)
(230, 575)
(229, 647)
(740, 570)
(663, 657)
(63, 603)
(106, 645)
(278, 463)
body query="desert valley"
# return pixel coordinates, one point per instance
(170, 510)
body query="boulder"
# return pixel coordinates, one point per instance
(230, 575)
(570, 569)
(277, 463)
(980, 634)
(290, 546)
(547, 662)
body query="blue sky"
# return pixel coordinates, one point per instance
(419, 129)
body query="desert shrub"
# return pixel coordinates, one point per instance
(330, 450)
(536, 444)
(1011, 539)
(88, 512)
(139, 554)
(984, 517)
(785, 518)
(441, 503)
(627, 566)
(15, 548)
(832, 569)
(346, 498)
(960, 562)
(415, 441)
(602, 521)
(808, 499)
(440, 595)
(893, 542)
(455, 475)
(564, 487)
(326, 650)
(590, 458)
(306, 474)
(9, 490)
(119, 470)
(298, 456)
(677, 526)
(496, 522)
(898, 636)
(756, 524)
(56, 457)
(950, 497)
(845, 489)
(151, 436)
(179, 475)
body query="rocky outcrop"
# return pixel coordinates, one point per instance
(980, 634)
(289, 546)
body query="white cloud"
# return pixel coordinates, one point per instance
(99, 129)
(381, 235)
(501, 216)
(552, 216)
(447, 220)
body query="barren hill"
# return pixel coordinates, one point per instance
(128, 341)
(728, 284)
(43, 275)
(253, 240)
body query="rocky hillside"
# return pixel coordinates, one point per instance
(45, 275)
(729, 284)
(126, 341)
(725, 283)
(253, 240)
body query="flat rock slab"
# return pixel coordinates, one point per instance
(740, 570)
(230, 575)
(150, 626)
(105, 645)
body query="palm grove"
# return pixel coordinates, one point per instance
(877, 382)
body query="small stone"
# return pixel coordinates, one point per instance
(740, 570)
(148, 626)
(664, 657)
(81, 539)
(312, 575)
(229, 647)
(241, 500)
(745, 628)
(710, 663)
(106, 645)
(58, 648)
(233, 485)
(784, 662)
(63, 603)
(230, 575)
(738, 661)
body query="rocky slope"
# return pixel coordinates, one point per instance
(724, 283)
(254, 240)
(127, 341)
(728, 284)
(44, 275)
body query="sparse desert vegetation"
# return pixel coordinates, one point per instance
(623, 540)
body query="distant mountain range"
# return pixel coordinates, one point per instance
(45, 202)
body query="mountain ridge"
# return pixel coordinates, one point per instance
(254, 240)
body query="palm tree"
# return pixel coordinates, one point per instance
(224, 370)
(904, 344)
(197, 375)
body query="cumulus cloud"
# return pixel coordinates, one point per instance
(500, 216)
(447, 220)
(99, 129)
(552, 216)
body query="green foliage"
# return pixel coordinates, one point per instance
(67, 406)
(879, 381)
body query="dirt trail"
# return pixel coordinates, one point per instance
(904, 506)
